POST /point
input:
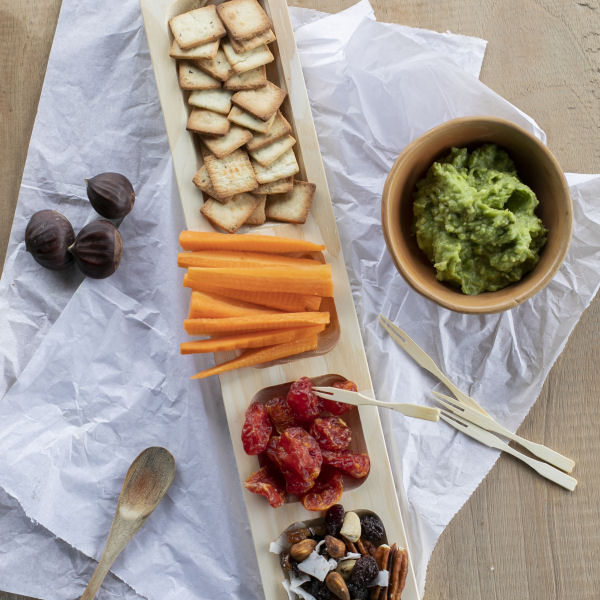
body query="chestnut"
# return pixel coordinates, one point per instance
(111, 195)
(97, 249)
(47, 237)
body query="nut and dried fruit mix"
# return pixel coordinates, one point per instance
(345, 556)
(303, 447)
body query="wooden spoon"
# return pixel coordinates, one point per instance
(146, 482)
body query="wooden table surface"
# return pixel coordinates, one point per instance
(518, 536)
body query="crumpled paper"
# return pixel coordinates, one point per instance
(91, 371)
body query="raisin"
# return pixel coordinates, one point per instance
(357, 592)
(364, 571)
(257, 429)
(331, 433)
(298, 452)
(318, 589)
(280, 413)
(304, 404)
(372, 528)
(297, 535)
(355, 465)
(334, 519)
(326, 492)
(265, 482)
(339, 408)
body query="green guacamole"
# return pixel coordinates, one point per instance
(475, 220)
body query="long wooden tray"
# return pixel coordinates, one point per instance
(347, 357)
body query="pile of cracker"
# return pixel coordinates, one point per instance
(249, 161)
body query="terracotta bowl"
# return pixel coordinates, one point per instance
(536, 167)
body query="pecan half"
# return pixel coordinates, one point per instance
(403, 574)
(389, 590)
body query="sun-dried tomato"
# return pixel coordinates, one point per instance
(269, 484)
(304, 404)
(326, 492)
(280, 412)
(355, 465)
(339, 408)
(294, 484)
(331, 433)
(257, 429)
(270, 453)
(298, 452)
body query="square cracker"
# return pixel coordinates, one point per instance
(202, 180)
(215, 100)
(217, 67)
(263, 102)
(243, 119)
(234, 214)
(284, 166)
(232, 174)
(243, 46)
(248, 80)
(192, 78)
(279, 128)
(268, 154)
(208, 122)
(276, 187)
(244, 19)
(258, 217)
(293, 206)
(197, 27)
(223, 145)
(247, 61)
(204, 51)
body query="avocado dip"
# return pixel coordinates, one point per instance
(475, 220)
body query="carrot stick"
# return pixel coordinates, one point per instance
(315, 281)
(211, 305)
(255, 339)
(255, 322)
(282, 301)
(200, 240)
(262, 355)
(238, 258)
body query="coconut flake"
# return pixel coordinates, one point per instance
(382, 579)
(280, 545)
(319, 546)
(294, 590)
(316, 565)
(351, 556)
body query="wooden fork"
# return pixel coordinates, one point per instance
(357, 399)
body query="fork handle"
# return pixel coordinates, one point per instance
(544, 469)
(545, 453)
(414, 410)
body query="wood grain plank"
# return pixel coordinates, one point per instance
(541, 543)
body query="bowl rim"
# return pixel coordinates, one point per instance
(487, 302)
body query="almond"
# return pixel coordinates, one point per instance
(337, 586)
(302, 550)
(336, 548)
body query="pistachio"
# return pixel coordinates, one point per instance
(47, 237)
(351, 527)
(111, 195)
(302, 550)
(336, 548)
(345, 567)
(97, 249)
(337, 586)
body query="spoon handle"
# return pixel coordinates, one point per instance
(121, 532)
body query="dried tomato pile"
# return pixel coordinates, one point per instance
(302, 445)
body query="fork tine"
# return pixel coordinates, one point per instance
(453, 401)
(392, 332)
(447, 406)
(322, 390)
(458, 419)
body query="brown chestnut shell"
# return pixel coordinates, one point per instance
(97, 249)
(111, 195)
(47, 237)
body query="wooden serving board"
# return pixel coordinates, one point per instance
(347, 357)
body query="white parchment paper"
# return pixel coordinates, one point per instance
(91, 372)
